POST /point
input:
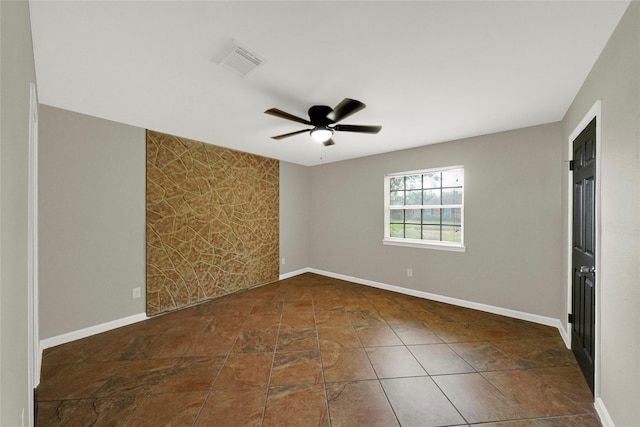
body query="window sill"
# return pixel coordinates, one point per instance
(454, 247)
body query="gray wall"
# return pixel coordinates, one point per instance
(512, 221)
(615, 79)
(17, 72)
(295, 217)
(92, 221)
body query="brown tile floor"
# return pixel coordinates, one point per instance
(316, 351)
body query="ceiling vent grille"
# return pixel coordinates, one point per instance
(241, 61)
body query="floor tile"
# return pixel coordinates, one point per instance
(324, 304)
(483, 356)
(239, 407)
(332, 319)
(419, 402)
(536, 353)
(88, 412)
(174, 409)
(300, 367)
(453, 331)
(439, 359)
(532, 394)
(396, 315)
(377, 335)
(267, 307)
(347, 365)
(191, 374)
(137, 377)
(394, 362)
(74, 381)
(336, 338)
(415, 333)
(297, 340)
(477, 399)
(305, 305)
(569, 381)
(314, 350)
(260, 341)
(365, 318)
(301, 405)
(245, 370)
(359, 403)
(569, 421)
(257, 322)
(211, 344)
(297, 320)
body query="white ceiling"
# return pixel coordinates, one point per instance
(429, 71)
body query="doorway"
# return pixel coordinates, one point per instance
(584, 293)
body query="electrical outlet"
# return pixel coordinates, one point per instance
(135, 293)
(409, 272)
(284, 260)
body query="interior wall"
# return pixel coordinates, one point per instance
(615, 80)
(16, 73)
(295, 217)
(512, 217)
(212, 221)
(92, 216)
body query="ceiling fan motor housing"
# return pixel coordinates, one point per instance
(319, 115)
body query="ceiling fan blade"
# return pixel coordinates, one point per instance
(346, 108)
(287, 135)
(329, 142)
(285, 115)
(357, 128)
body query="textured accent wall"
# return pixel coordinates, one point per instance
(212, 221)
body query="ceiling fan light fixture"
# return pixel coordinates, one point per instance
(321, 134)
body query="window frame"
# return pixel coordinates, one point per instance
(419, 243)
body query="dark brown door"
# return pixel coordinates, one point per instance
(584, 251)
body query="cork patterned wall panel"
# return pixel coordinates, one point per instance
(212, 221)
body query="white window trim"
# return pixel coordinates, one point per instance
(417, 243)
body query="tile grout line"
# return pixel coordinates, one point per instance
(210, 391)
(273, 361)
(324, 380)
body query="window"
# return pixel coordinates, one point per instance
(425, 208)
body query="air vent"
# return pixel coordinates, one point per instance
(241, 61)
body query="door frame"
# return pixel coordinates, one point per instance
(34, 358)
(595, 111)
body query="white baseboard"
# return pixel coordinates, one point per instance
(565, 334)
(543, 320)
(294, 273)
(92, 330)
(605, 418)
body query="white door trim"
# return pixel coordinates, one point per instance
(34, 361)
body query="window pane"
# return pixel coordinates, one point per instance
(453, 178)
(396, 198)
(414, 197)
(397, 183)
(412, 216)
(431, 180)
(416, 208)
(431, 232)
(431, 197)
(451, 233)
(397, 216)
(451, 216)
(414, 182)
(412, 231)
(452, 196)
(396, 230)
(431, 216)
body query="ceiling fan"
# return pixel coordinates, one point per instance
(324, 121)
